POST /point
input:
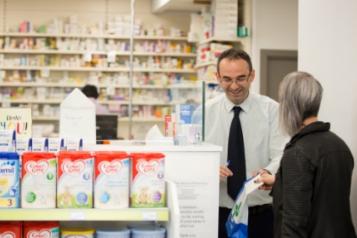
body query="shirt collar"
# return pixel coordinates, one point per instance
(245, 105)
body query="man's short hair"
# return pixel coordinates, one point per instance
(235, 54)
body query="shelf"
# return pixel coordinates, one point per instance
(201, 65)
(143, 119)
(121, 119)
(88, 69)
(218, 39)
(34, 101)
(129, 214)
(106, 102)
(43, 118)
(78, 85)
(80, 52)
(149, 103)
(99, 36)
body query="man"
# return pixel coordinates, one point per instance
(245, 124)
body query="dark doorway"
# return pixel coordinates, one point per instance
(275, 64)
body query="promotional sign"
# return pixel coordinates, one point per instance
(18, 119)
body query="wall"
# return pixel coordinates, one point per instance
(274, 27)
(327, 49)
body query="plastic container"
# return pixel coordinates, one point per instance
(75, 179)
(11, 229)
(41, 229)
(123, 233)
(111, 187)
(147, 180)
(77, 232)
(154, 232)
(38, 185)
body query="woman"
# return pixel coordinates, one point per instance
(311, 189)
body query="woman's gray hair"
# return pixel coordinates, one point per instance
(300, 97)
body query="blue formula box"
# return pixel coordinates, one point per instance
(9, 180)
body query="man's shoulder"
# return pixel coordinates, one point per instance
(215, 101)
(264, 101)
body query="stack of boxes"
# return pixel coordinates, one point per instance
(225, 18)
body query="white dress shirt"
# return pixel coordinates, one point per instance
(263, 140)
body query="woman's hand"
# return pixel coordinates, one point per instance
(267, 180)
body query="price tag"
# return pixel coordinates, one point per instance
(149, 216)
(77, 216)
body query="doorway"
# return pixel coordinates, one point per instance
(275, 64)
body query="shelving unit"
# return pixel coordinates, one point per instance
(25, 67)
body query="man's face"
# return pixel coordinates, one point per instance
(235, 79)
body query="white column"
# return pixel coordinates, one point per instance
(328, 49)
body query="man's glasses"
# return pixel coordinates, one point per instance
(238, 80)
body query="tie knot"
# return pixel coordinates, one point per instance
(236, 110)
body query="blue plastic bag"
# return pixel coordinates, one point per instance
(237, 223)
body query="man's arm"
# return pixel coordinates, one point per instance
(277, 141)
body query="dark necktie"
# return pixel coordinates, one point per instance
(236, 156)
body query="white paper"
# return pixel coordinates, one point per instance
(77, 119)
(87, 56)
(251, 185)
(111, 56)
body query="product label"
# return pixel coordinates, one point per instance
(7, 234)
(39, 183)
(39, 234)
(112, 184)
(148, 185)
(9, 183)
(75, 183)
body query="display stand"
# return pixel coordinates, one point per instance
(192, 175)
(194, 169)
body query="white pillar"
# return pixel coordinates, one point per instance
(328, 49)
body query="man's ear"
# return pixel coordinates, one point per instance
(252, 75)
(218, 77)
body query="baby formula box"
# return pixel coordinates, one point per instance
(147, 180)
(122, 233)
(41, 229)
(38, 185)
(10, 230)
(9, 180)
(154, 232)
(75, 179)
(111, 189)
(77, 233)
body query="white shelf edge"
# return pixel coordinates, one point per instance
(73, 85)
(201, 65)
(218, 39)
(84, 69)
(79, 52)
(104, 36)
(105, 102)
(121, 119)
(91, 214)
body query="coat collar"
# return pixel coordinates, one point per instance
(318, 126)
